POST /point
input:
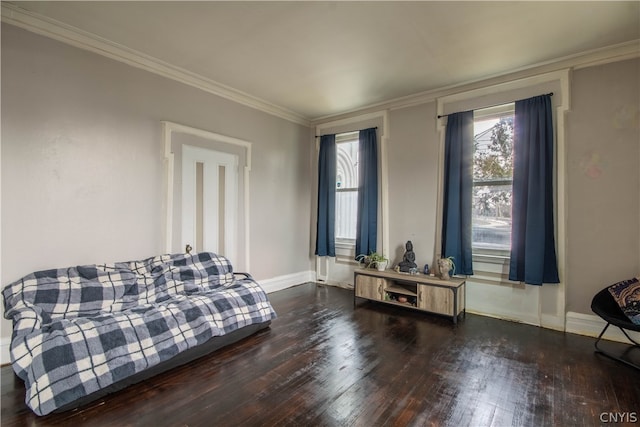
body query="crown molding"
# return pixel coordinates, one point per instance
(606, 55)
(39, 24)
(76, 37)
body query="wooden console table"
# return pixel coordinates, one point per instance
(416, 291)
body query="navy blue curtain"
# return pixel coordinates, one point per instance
(326, 233)
(367, 223)
(533, 254)
(458, 185)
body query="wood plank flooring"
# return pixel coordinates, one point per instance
(325, 363)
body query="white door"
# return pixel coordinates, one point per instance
(209, 200)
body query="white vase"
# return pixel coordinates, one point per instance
(381, 265)
(444, 266)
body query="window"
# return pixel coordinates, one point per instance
(346, 186)
(492, 179)
(347, 194)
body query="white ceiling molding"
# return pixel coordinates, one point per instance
(57, 30)
(73, 36)
(620, 52)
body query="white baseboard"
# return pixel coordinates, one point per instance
(337, 284)
(283, 282)
(506, 315)
(551, 321)
(5, 357)
(591, 325)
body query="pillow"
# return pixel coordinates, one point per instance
(71, 292)
(627, 295)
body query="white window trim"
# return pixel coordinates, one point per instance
(495, 111)
(168, 130)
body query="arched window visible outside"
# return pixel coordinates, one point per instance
(346, 185)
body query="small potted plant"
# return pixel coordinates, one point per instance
(374, 260)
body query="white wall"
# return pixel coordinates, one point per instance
(603, 180)
(413, 182)
(83, 168)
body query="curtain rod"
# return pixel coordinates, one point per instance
(348, 131)
(445, 115)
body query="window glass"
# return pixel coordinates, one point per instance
(492, 181)
(346, 185)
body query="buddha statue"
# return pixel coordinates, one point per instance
(409, 258)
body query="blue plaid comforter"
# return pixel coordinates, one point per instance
(77, 330)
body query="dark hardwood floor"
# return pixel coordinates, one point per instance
(324, 363)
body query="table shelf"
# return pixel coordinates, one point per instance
(424, 293)
(402, 290)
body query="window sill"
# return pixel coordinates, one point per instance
(346, 251)
(492, 267)
(491, 258)
(347, 244)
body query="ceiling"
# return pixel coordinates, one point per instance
(320, 59)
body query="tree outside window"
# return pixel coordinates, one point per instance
(492, 183)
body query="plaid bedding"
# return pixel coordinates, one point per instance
(77, 330)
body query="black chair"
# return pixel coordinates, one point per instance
(605, 306)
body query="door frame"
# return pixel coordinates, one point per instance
(169, 129)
